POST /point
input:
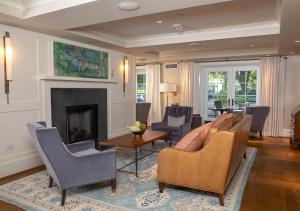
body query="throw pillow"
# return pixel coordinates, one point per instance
(220, 119)
(195, 139)
(176, 121)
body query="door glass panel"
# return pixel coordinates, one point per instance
(217, 91)
(245, 88)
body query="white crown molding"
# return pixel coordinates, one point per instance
(245, 30)
(30, 8)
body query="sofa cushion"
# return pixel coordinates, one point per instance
(195, 139)
(176, 121)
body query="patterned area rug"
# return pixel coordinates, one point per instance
(133, 193)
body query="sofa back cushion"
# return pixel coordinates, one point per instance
(176, 121)
(195, 139)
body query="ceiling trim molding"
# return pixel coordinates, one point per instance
(245, 30)
(30, 8)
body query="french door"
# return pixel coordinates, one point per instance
(234, 86)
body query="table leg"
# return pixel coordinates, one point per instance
(136, 162)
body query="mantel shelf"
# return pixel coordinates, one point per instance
(63, 78)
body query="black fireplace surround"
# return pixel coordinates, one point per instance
(79, 114)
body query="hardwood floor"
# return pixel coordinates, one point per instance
(274, 180)
(273, 184)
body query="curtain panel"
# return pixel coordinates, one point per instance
(186, 87)
(153, 94)
(272, 93)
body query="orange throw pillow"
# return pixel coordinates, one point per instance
(195, 139)
(221, 118)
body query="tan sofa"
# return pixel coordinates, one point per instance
(209, 169)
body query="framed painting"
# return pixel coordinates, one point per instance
(74, 61)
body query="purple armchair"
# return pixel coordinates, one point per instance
(176, 132)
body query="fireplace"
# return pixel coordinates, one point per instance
(79, 114)
(81, 123)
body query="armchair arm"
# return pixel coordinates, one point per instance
(206, 169)
(184, 129)
(80, 146)
(158, 125)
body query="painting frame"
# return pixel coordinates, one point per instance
(73, 60)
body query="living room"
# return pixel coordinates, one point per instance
(197, 69)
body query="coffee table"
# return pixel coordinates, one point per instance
(131, 142)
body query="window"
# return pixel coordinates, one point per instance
(140, 85)
(234, 86)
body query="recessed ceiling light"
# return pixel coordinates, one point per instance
(128, 6)
(178, 27)
(268, 55)
(297, 41)
(252, 45)
(292, 52)
(159, 21)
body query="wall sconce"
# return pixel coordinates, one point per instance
(7, 46)
(125, 74)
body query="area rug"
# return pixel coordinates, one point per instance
(133, 193)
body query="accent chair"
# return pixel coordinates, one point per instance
(72, 165)
(176, 132)
(260, 114)
(142, 112)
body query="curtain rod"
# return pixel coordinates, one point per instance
(237, 59)
(218, 60)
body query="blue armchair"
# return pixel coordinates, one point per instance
(176, 132)
(72, 165)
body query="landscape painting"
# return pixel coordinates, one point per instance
(75, 61)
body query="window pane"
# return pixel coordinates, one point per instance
(245, 88)
(141, 88)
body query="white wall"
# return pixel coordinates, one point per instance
(292, 90)
(30, 96)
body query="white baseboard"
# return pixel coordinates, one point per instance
(286, 132)
(19, 162)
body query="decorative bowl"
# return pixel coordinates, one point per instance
(138, 133)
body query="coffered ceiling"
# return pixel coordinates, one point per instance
(211, 28)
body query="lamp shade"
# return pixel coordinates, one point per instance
(166, 87)
(8, 57)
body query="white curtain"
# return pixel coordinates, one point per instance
(272, 93)
(186, 86)
(153, 94)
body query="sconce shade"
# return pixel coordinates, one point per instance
(8, 57)
(166, 87)
(126, 69)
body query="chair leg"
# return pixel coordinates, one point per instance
(245, 155)
(221, 199)
(113, 183)
(63, 197)
(50, 182)
(260, 135)
(161, 186)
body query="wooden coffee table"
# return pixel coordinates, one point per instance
(131, 142)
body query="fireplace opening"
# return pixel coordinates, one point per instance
(81, 123)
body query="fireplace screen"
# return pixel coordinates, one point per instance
(81, 123)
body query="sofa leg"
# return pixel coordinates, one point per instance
(221, 199)
(161, 186)
(113, 183)
(63, 197)
(50, 182)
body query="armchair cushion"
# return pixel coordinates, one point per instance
(195, 139)
(176, 121)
